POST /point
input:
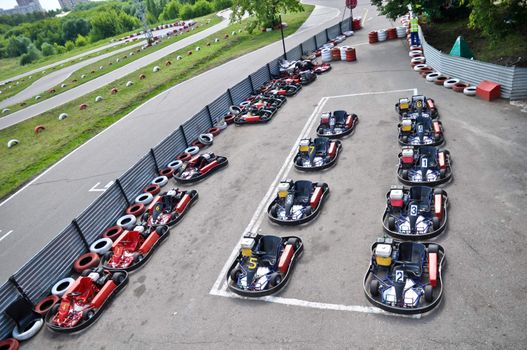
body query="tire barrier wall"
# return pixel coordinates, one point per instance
(513, 80)
(54, 261)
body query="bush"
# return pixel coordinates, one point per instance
(59, 48)
(221, 4)
(17, 46)
(32, 55)
(69, 45)
(171, 11)
(81, 41)
(47, 49)
(186, 12)
(202, 8)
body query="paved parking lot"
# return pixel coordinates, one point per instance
(174, 302)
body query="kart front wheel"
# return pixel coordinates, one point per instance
(118, 277)
(235, 275)
(88, 315)
(391, 223)
(275, 279)
(293, 241)
(404, 174)
(374, 287)
(435, 223)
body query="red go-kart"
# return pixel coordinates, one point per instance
(169, 207)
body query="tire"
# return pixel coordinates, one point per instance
(136, 209)
(30, 332)
(88, 315)
(45, 304)
(432, 76)
(86, 261)
(294, 242)
(391, 223)
(161, 180)
(118, 277)
(433, 248)
(184, 157)
(138, 258)
(162, 230)
(469, 91)
(275, 279)
(175, 164)
(438, 191)
(459, 87)
(404, 174)
(404, 139)
(9, 344)
(235, 273)
(62, 286)
(152, 189)
(442, 173)
(112, 232)
(206, 139)
(449, 84)
(168, 172)
(192, 150)
(214, 131)
(235, 110)
(374, 287)
(429, 293)
(101, 246)
(435, 223)
(440, 80)
(127, 222)
(144, 198)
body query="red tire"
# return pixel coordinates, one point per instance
(136, 209)
(9, 344)
(44, 305)
(86, 261)
(440, 80)
(168, 172)
(39, 128)
(153, 189)
(197, 144)
(459, 87)
(229, 119)
(214, 131)
(185, 157)
(112, 232)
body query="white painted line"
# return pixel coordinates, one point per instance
(95, 189)
(161, 94)
(415, 91)
(4, 236)
(315, 305)
(370, 93)
(364, 17)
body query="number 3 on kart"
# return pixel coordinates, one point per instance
(252, 263)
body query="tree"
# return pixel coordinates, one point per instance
(171, 11)
(201, 8)
(221, 4)
(496, 19)
(69, 45)
(186, 11)
(17, 46)
(265, 12)
(72, 27)
(59, 48)
(47, 49)
(81, 41)
(32, 55)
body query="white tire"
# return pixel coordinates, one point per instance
(412, 53)
(101, 246)
(144, 198)
(62, 286)
(30, 333)
(63, 85)
(175, 164)
(126, 221)
(5, 110)
(432, 76)
(83, 76)
(129, 83)
(348, 33)
(449, 84)
(98, 99)
(470, 91)
(37, 97)
(160, 180)
(178, 58)
(192, 150)
(419, 67)
(12, 143)
(221, 124)
(63, 116)
(156, 69)
(418, 59)
(206, 139)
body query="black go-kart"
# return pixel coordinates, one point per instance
(318, 154)
(337, 124)
(418, 104)
(297, 202)
(405, 277)
(200, 167)
(253, 113)
(425, 165)
(421, 131)
(415, 213)
(168, 208)
(264, 264)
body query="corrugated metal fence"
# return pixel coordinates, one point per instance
(35, 279)
(513, 80)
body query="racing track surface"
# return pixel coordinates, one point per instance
(89, 86)
(168, 306)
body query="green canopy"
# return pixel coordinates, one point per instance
(461, 48)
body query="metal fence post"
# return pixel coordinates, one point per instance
(19, 289)
(269, 71)
(152, 154)
(210, 116)
(251, 82)
(79, 231)
(302, 49)
(118, 183)
(327, 35)
(183, 133)
(230, 96)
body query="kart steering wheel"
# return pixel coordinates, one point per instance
(74, 294)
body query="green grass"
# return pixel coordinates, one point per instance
(109, 64)
(37, 152)
(505, 51)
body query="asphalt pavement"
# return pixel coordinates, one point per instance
(175, 302)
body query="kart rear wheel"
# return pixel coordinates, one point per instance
(404, 139)
(275, 279)
(107, 256)
(294, 242)
(235, 274)
(374, 287)
(118, 277)
(442, 173)
(429, 293)
(86, 272)
(88, 315)
(438, 191)
(138, 257)
(435, 223)
(433, 248)
(391, 223)
(404, 174)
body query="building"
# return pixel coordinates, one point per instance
(68, 4)
(24, 6)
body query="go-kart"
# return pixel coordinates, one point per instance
(255, 111)
(415, 213)
(279, 87)
(297, 202)
(200, 167)
(133, 248)
(168, 208)
(405, 277)
(264, 264)
(418, 104)
(337, 124)
(298, 72)
(85, 300)
(420, 131)
(425, 165)
(320, 153)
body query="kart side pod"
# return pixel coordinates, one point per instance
(442, 162)
(208, 167)
(349, 121)
(183, 203)
(315, 197)
(432, 269)
(103, 294)
(332, 150)
(438, 206)
(149, 242)
(285, 258)
(437, 128)
(252, 118)
(430, 104)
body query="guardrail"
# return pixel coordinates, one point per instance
(34, 280)
(513, 80)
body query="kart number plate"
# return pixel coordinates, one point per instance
(331, 121)
(399, 276)
(413, 210)
(252, 263)
(424, 163)
(419, 128)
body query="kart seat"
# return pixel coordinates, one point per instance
(22, 313)
(411, 257)
(421, 195)
(340, 116)
(303, 189)
(268, 248)
(321, 145)
(430, 153)
(425, 121)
